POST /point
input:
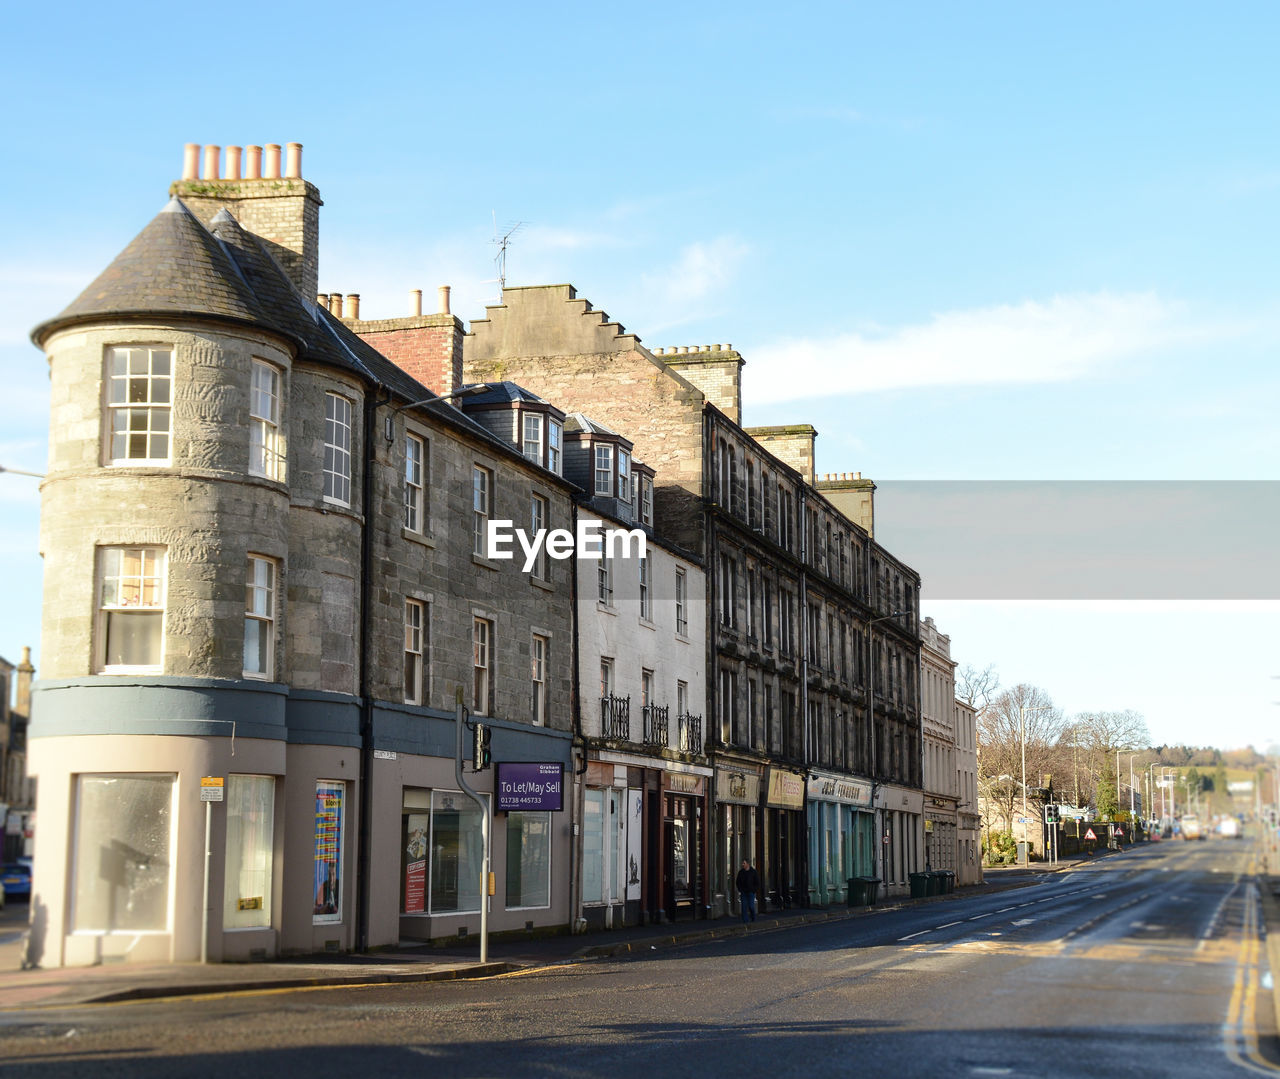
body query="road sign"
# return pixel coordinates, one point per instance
(211, 788)
(1021, 820)
(1119, 830)
(1088, 834)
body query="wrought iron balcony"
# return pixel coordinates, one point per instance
(615, 717)
(689, 733)
(655, 725)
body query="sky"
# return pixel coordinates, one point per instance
(965, 242)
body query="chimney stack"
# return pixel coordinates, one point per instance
(285, 213)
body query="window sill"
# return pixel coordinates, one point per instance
(683, 638)
(538, 582)
(606, 608)
(418, 537)
(487, 563)
(648, 623)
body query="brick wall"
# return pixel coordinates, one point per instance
(428, 347)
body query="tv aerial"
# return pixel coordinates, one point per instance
(502, 243)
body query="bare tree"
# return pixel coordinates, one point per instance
(1020, 719)
(1098, 737)
(976, 687)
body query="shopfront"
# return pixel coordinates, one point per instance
(782, 869)
(736, 811)
(682, 852)
(842, 835)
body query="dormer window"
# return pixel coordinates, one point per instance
(604, 471)
(533, 436)
(555, 435)
(624, 475)
(646, 501)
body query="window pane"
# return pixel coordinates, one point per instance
(133, 639)
(456, 853)
(528, 860)
(122, 853)
(246, 897)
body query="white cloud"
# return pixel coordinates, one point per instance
(1064, 338)
(686, 288)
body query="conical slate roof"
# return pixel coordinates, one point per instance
(172, 267)
(176, 267)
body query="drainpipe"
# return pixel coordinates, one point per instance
(712, 630)
(806, 746)
(577, 812)
(364, 875)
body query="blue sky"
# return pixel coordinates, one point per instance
(998, 241)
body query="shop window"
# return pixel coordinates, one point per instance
(330, 825)
(250, 809)
(528, 860)
(123, 844)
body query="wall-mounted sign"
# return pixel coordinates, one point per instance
(829, 788)
(211, 788)
(530, 787)
(738, 785)
(786, 789)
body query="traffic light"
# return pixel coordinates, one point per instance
(481, 754)
(1051, 814)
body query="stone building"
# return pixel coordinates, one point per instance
(968, 817)
(812, 651)
(941, 774)
(266, 595)
(644, 788)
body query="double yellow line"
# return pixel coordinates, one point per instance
(1240, 1031)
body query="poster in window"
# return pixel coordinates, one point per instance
(330, 807)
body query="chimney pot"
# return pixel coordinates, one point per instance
(322, 300)
(293, 161)
(858, 475)
(191, 161)
(353, 305)
(210, 171)
(658, 351)
(271, 167)
(335, 304)
(415, 301)
(253, 163)
(233, 162)
(444, 299)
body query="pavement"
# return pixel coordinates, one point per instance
(113, 982)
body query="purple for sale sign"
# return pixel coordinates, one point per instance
(527, 787)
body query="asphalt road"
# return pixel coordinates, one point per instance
(1146, 964)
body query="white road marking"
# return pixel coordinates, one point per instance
(977, 916)
(1023, 921)
(910, 935)
(948, 925)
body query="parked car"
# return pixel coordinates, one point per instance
(16, 879)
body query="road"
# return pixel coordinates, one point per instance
(1145, 964)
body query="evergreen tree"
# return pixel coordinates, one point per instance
(1108, 804)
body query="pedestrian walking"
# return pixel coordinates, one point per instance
(748, 885)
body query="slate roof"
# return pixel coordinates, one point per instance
(175, 267)
(578, 422)
(502, 393)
